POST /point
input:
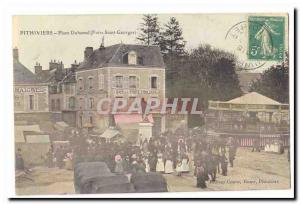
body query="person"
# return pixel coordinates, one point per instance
(126, 164)
(179, 166)
(212, 166)
(255, 145)
(119, 169)
(59, 156)
(69, 161)
(231, 155)
(200, 174)
(19, 160)
(224, 164)
(185, 163)
(160, 167)
(49, 158)
(152, 162)
(146, 162)
(169, 163)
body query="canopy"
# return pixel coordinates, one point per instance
(131, 118)
(19, 131)
(253, 98)
(249, 102)
(110, 133)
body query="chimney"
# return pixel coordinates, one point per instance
(59, 75)
(87, 52)
(38, 68)
(16, 54)
(74, 66)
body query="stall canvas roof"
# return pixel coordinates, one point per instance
(253, 98)
(249, 102)
(110, 133)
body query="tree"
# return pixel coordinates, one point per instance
(274, 83)
(149, 30)
(171, 39)
(208, 74)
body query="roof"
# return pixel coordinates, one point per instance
(22, 75)
(112, 56)
(37, 138)
(110, 133)
(20, 129)
(49, 75)
(253, 98)
(246, 79)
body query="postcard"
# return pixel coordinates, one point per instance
(151, 103)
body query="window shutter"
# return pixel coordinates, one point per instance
(125, 82)
(113, 80)
(137, 82)
(101, 81)
(158, 82)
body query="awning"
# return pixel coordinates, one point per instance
(19, 131)
(37, 139)
(131, 118)
(110, 133)
(60, 125)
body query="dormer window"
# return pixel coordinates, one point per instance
(130, 58)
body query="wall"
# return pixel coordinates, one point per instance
(21, 98)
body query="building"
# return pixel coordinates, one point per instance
(30, 93)
(119, 71)
(62, 84)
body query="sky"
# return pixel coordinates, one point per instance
(212, 29)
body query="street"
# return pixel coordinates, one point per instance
(251, 171)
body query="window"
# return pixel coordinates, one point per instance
(53, 104)
(31, 102)
(81, 103)
(101, 81)
(57, 104)
(125, 59)
(132, 82)
(80, 121)
(72, 102)
(91, 120)
(119, 81)
(153, 82)
(140, 60)
(80, 83)
(132, 57)
(91, 103)
(90, 82)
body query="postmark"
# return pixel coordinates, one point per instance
(236, 37)
(266, 38)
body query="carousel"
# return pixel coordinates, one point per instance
(249, 118)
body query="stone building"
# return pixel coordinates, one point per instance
(62, 84)
(30, 93)
(119, 71)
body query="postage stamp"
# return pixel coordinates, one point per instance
(266, 38)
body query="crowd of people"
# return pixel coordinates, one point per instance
(170, 153)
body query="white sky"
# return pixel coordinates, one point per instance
(197, 29)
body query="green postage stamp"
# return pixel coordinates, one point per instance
(266, 38)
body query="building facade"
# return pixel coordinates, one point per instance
(30, 93)
(118, 71)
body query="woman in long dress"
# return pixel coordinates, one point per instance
(185, 163)
(160, 167)
(169, 164)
